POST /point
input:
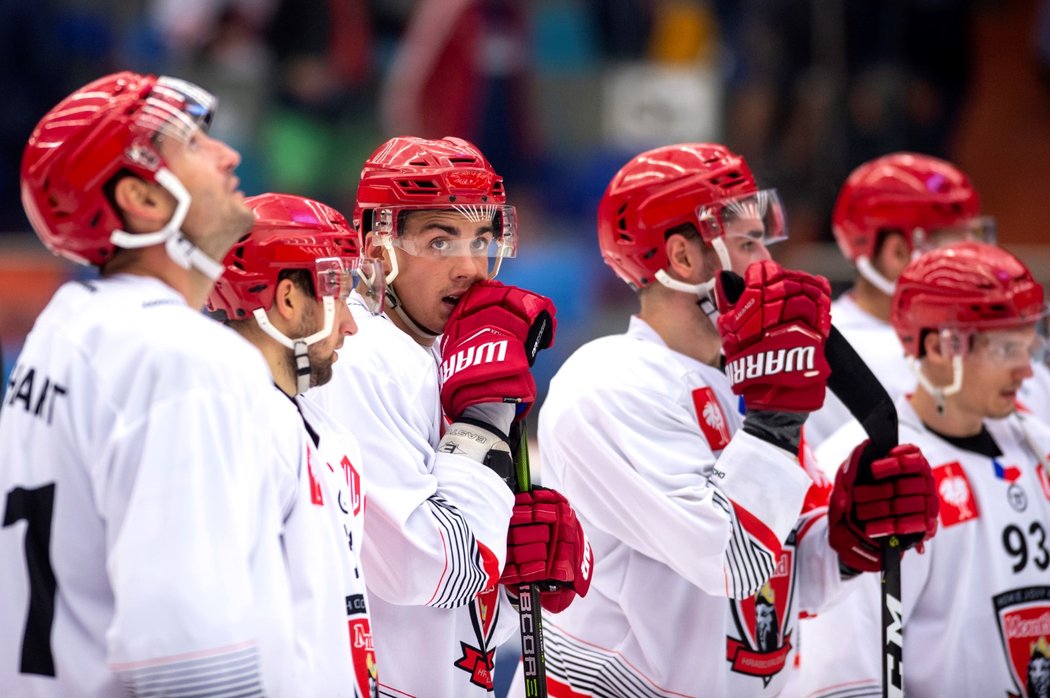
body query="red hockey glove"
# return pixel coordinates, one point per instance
(490, 342)
(773, 338)
(546, 546)
(898, 498)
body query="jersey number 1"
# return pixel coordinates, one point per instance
(36, 507)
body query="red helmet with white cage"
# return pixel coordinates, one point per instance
(109, 126)
(702, 184)
(927, 200)
(408, 174)
(964, 288)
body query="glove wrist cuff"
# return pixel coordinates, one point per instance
(782, 429)
(480, 442)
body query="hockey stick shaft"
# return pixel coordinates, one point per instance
(531, 621)
(860, 391)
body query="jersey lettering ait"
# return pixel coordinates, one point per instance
(764, 623)
(34, 392)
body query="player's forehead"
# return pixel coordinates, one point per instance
(449, 221)
(748, 226)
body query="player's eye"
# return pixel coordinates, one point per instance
(440, 245)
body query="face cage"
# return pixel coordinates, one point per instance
(979, 229)
(388, 226)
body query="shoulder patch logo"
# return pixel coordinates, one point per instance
(712, 419)
(956, 495)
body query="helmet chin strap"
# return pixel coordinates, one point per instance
(705, 290)
(181, 250)
(394, 302)
(938, 393)
(873, 277)
(299, 346)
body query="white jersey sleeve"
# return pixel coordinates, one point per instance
(141, 524)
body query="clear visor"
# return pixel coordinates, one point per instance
(338, 276)
(1007, 346)
(980, 229)
(486, 233)
(173, 109)
(758, 217)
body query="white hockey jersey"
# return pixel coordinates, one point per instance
(141, 538)
(323, 535)
(436, 524)
(701, 561)
(976, 603)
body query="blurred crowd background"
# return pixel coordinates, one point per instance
(559, 94)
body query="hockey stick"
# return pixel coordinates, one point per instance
(860, 391)
(531, 621)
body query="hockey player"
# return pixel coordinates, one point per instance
(976, 605)
(284, 289)
(693, 510)
(890, 210)
(141, 538)
(435, 213)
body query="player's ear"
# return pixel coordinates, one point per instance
(684, 257)
(376, 251)
(144, 205)
(287, 299)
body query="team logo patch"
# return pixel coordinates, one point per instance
(956, 495)
(478, 661)
(711, 418)
(1024, 629)
(764, 646)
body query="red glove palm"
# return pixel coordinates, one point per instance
(490, 342)
(898, 498)
(773, 338)
(546, 546)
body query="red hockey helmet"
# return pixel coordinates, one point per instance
(408, 174)
(293, 232)
(966, 287)
(108, 126)
(697, 183)
(917, 195)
